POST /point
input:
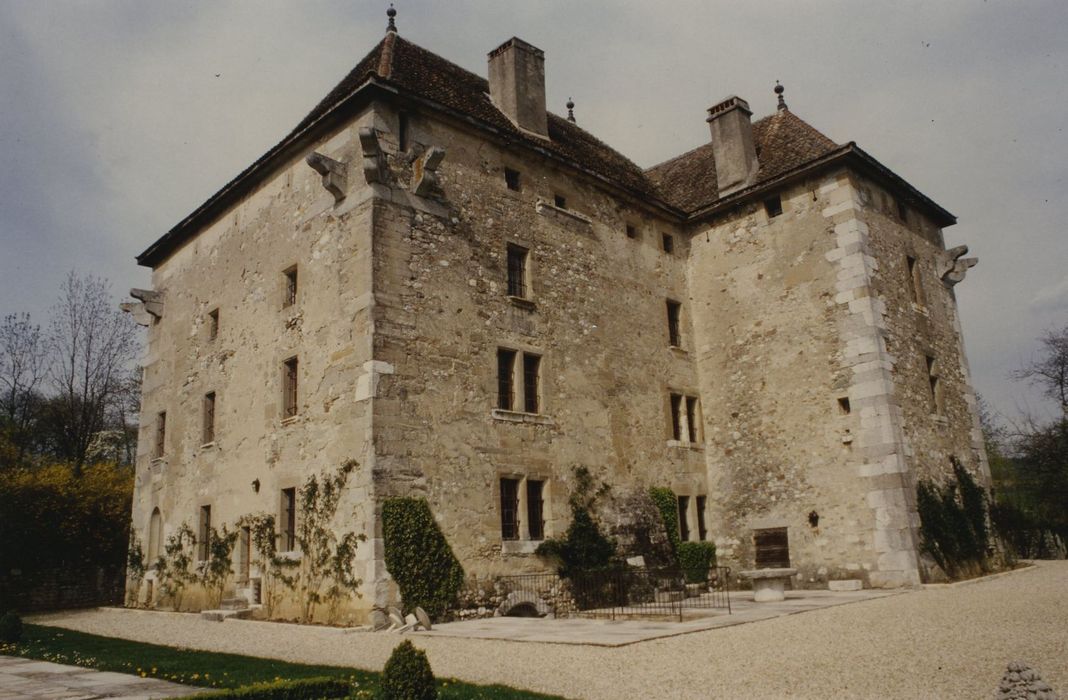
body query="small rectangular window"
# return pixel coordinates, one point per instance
(161, 433)
(244, 552)
(204, 533)
(560, 201)
(511, 179)
(676, 416)
(531, 366)
(843, 405)
(902, 211)
(289, 292)
(517, 271)
(702, 530)
(674, 310)
(536, 509)
(935, 384)
(402, 132)
(289, 387)
(669, 242)
(632, 231)
(509, 509)
(213, 324)
(505, 381)
(684, 518)
(773, 206)
(915, 281)
(209, 418)
(692, 419)
(772, 548)
(287, 521)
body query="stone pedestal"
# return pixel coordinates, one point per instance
(769, 585)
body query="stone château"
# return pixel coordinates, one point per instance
(471, 296)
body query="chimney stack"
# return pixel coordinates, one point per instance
(517, 84)
(732, 144)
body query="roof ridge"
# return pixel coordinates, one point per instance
(385, 62)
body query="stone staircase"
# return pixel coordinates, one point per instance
(229, 608)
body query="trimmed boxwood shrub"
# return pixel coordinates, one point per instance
(418, 557)
(303, 689)
(407, 675)
(695, 560)
(10, 628)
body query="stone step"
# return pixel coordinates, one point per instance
(233, 604)
(220, 615)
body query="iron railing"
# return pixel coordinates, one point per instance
(616, 593)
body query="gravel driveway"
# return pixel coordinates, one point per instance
(939, 642)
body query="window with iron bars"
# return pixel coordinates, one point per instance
(531, 366)
(674, 310)
(204, 533)
(288, 520)
(536, 509)
(692, 423)
(289, 387)
(700, 502)
(505, 382)
(684, 518)
(676, 416)
(517, 271)
(510, 509)
(289, 292)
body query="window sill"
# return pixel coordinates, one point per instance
(678, 350)
(520, 417)
(208, 445)
(922, 310)
(159, 460)
(519, 546)
(548, 209)
(291, 420)
(293, 555)
(522, 302)
(685, 445)
(940, 419)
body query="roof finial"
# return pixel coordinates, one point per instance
(391, 13)
(779, 90)
(571, 110)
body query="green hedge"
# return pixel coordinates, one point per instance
(303, 689)
(418, 557)
(695, 560)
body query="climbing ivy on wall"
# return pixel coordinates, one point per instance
(953, 523)
(583, 547)
(418, 556)
(665, 501)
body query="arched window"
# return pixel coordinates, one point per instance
(155, 535)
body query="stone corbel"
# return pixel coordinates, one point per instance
(953, 266)
(335, 179)
(424, 172)
(150, 308)
(375, 168)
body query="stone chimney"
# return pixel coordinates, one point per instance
(517, 84)
(732, 144)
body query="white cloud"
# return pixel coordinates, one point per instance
(1051, 298)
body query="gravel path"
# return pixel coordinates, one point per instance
(945, 642)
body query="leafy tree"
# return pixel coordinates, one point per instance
(23, 365)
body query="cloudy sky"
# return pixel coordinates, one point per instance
(119, 117)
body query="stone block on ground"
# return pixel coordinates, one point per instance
(850, 584)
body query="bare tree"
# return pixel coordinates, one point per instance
(1050, 371)
(23, 366)
(92, 345)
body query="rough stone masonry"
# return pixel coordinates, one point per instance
(472, 296)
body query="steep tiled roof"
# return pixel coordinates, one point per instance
(783, 142)
(429, 76)
(686, 183)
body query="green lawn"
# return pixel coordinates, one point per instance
(210, 669)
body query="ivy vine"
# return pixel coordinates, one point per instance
(419, 557)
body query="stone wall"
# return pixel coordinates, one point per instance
(236, 266)
(596, 315)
